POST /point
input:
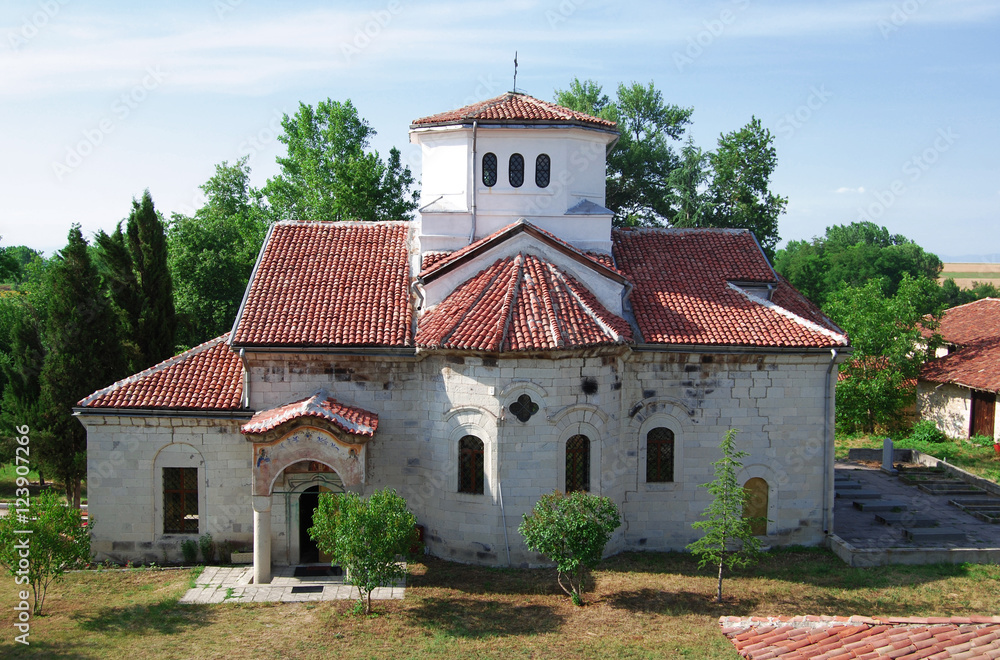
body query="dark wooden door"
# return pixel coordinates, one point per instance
(983, 406)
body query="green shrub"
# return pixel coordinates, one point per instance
(226, 549)
(982, 441)
(189, 548)
(572, 531)
(927, 431)
(207, 548)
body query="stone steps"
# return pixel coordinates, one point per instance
(905, 519)
(937, 534)
(881, 505)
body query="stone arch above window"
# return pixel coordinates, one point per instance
(578, 463)
(515, 170)
(660, 455)
(471, 465)
(543, 170)
(489, 169)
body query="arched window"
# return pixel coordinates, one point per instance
(490, 169)
(515, 170)
(470, 465)
(543, 169)
(659, 455)
(756, 505)
(578, 463)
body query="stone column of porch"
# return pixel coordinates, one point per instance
(261, 539)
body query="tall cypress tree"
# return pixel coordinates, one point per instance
(134, 265)
(21, 405)
(84, 355)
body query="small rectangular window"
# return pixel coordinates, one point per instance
(471, 465)
(180, 500)
(578, 463)
(660, 455)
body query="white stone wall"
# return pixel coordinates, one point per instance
(125, 457)
(947, 405)
(426, 404)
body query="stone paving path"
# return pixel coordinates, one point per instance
(225, 584)
(862, 530)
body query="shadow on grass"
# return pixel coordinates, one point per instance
(166, 617)
(807, 566)
(476, 618)
(679, 603)
(444, 574)
(40, 649)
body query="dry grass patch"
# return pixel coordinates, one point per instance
(647, 605)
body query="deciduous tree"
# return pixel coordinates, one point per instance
(887, 336)
(365, 537)
(330, 173)
(571, 530)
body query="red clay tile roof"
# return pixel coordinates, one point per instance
(520, 303)
(513, 108)
(971, 322)
(430, 258)
(975, 365)
(438, 262)
(801, 637)
(349, 419)
(685, 291)
(329, 284)
(207, 377)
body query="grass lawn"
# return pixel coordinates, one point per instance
(8, 484)
(642, 606)
(981, 461)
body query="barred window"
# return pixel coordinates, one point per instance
(470, 465)
(515, 170)
(490, 169)
(180, 500)
(578, 463)
(543, 169)
(660, 455)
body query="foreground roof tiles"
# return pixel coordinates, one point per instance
(207, 377)
(521, 303)
(329, 284)
(355, 421)
(513, 107)
(690, 287)
(975, 327)
(910, 638)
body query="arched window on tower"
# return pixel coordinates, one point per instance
(543, 170)
(515, 171)
(490, 169)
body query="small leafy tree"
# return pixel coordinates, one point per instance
(58, 540)
(728, 539)
(572, 531)
(365, 537)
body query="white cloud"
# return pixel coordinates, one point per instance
(844, 189)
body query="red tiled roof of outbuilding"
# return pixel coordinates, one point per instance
(971, 322)
(686, 291)
(521, 303)
(329, 284)
(801, 637)
(513, 108)
(207, 377)
(976, 365)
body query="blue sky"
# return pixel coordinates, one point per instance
(880, 110)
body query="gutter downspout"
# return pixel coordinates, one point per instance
(827, 445)
(503, 514)
(246, 378)
(472, 230)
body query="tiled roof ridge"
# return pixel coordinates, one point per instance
(513, 289)
(476, 111)
(778, 309)
(169, 362)
(683, 230)
(512, 227)
(589, 310)
(974, 302)
(825, 621)
(339, 223)
(549, 305)
(311, 406)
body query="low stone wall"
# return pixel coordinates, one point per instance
(865, 557)
(865, 454)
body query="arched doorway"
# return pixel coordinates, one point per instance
(308, 500)
(756, 505)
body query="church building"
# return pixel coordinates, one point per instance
(507, 343)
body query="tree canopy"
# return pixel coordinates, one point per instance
(650, 183)
(212, 253)
(852, 255)
(329, 172)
